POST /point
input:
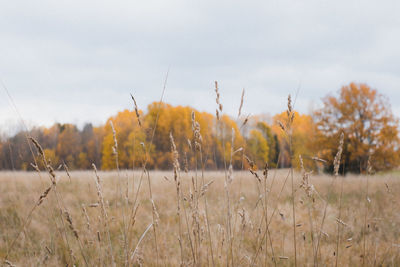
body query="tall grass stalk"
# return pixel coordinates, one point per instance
(366, 201)
(336, 165)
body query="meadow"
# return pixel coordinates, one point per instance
(129, 218)
(248, 213)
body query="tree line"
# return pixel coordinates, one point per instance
(133, 137)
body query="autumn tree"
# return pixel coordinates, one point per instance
(257, 148)
(49, 136)
(272, 141)
(51, 158)
(129, 139)
(303, 132)
(178, 121)
(91, 146)
(369, 127)
(4, 152)
(16, 151)
(3, 160)
(163, 119)
(68, 145)
(94, 146)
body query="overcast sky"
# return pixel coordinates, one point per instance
(77, 61)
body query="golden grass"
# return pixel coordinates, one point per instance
(84, 237)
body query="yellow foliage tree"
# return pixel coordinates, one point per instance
(129, 136)
(303, 133)
(257, 147)
(178, 121)
(51, 158)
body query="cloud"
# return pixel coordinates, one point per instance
(78, 61)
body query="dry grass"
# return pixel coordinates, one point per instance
(185, 233)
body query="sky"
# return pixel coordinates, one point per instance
(78, 61)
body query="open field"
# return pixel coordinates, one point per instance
(97, 236)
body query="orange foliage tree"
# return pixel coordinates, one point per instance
(369, 127)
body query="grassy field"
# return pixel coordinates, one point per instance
(216, 224)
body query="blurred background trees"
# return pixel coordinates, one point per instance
(361, 113)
